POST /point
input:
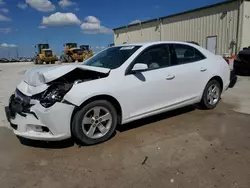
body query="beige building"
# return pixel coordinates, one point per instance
(222, 28)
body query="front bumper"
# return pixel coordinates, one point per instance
(49, 59)
(39, 123)
(78, 57)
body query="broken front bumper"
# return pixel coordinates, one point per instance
(39, 123)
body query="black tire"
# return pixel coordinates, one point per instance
(62, 59)
(36, 61)
(70, 59)
(52, 62)
(77, 130)
(47, 63)
(204, 101)
(39, 61)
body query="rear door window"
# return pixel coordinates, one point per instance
(187, 54)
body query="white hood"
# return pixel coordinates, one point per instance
(41, 75)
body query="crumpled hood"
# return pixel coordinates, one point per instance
(41, 75)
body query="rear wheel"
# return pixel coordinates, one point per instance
(95, 122)
(211, 95)
(36, 61)
(52, 62)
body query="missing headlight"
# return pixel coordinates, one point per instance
(53, 94)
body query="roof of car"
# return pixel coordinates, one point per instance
(152, 43)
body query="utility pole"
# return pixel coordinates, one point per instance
(17, 55)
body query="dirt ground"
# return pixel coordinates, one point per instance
(185, 148)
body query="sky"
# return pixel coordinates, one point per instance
(25, 23)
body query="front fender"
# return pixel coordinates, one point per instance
(81, 92)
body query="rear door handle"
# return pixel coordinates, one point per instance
(203, 69)
(170, 77)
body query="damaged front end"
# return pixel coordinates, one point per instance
(40, 112)
(58, 88)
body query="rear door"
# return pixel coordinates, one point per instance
(189, 66)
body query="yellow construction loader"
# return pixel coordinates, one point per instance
(44, 54)
(72, 53)
(86, 49)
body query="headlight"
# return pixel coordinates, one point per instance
(53, 94)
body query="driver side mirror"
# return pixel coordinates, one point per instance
(139, 67)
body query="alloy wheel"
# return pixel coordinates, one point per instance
(213, 94)
(97, 122)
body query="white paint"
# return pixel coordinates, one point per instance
(42, 75)
(139, 95)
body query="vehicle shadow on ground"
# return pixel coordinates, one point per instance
(238, 73)
(47, 144)
(155, 118)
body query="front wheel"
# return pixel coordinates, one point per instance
(94, 123)
(211, 95)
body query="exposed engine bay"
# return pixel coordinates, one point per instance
(59, 87)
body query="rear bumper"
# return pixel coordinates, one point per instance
(233, 79)
(47, 124)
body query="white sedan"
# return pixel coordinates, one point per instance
(118, 85)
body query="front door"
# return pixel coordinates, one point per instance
(212, 44)
(147, 89)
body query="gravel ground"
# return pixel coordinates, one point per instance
(183, 148)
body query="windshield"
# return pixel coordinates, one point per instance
(78, 51)
(112, 58)
(85, 47)
(48, 53)
(43, 46)
(71, 45)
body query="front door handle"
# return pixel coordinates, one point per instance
(170, 77)
(203, 69)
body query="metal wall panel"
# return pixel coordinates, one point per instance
(138, 33)
(220, 21)
(246, 25)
